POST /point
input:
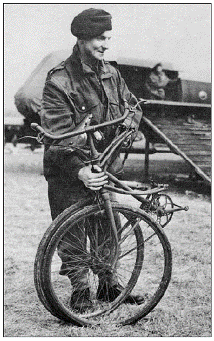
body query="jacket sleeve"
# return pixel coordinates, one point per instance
(57, 117)
(56, 114)
(132, 120)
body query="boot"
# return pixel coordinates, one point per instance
(108, 293)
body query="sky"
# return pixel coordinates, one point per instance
(179, 34)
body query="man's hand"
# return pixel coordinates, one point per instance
(94, 181)
(130, 122)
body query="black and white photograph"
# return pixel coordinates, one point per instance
(107, 169)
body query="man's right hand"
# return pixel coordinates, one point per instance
(94, 181)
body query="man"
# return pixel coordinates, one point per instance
(156, 82)
(83, 84)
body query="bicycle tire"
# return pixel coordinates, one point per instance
(46, 299)
(56, 232)
(57, 221)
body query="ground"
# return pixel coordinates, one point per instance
(185, 310)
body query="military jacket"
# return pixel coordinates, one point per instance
(72, 91)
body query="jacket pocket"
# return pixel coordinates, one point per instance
(83, 106)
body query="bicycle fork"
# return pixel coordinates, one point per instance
(109, 211)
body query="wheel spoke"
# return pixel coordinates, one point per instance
(79, 253)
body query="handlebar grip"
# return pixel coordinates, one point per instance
(37, 127)
(34, 126)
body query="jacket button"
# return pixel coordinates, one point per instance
(83, 108)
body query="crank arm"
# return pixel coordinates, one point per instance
(172, 210)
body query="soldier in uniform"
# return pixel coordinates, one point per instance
(81, 85)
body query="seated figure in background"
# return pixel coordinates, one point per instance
(156, 83)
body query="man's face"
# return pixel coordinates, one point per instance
(96, 47)
(159, 69)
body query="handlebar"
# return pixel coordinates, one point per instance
(88, 129)
(73, 133)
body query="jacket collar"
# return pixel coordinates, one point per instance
(75, 58)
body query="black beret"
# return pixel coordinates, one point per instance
(91, 23)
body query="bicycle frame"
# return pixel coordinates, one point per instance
(103, 160)
(105, 257)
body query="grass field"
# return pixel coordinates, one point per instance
(184, 311)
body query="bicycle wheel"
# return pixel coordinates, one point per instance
(57, 222)
(143, 266)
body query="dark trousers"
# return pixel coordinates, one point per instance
(72, 248)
